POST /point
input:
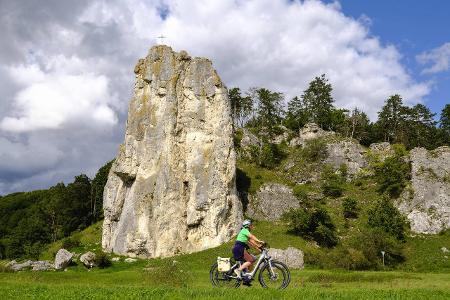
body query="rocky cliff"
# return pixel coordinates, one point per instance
(172, 187)
(426, 202)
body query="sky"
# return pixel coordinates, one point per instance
(66, 67)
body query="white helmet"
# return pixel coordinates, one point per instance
(246, 223)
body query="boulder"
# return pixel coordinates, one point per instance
(42, 265)
(13, 265)
(426, 202)
(171, 189)
(62, 259)
(130, 260)
(88, 259)
(115, 259)
(309, 132)
(349, 153)
(291, 257)
(271, 201)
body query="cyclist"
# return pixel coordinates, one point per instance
(243, 241)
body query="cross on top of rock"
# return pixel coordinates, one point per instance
(160, 39)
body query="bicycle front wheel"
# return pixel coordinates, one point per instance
(223, 279)
(275, 277)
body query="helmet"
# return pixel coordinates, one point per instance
(246, 223)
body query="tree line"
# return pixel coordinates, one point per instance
(31, 220)
(413, 126)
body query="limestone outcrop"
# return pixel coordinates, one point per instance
(172, 186)
(349, 153)
(309, 132)
(426, 203)
(271, 201)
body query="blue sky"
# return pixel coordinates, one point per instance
(413, 27)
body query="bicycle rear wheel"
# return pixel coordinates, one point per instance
(277, 277)
(223, 279)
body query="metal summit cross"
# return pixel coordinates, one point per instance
(160, 39)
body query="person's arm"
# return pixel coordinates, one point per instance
(254, 238)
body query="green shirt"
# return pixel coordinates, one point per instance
(243, 235)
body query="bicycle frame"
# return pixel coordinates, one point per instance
(263, 257)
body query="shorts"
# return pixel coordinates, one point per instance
(238, 251)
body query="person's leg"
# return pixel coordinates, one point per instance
(248, 260)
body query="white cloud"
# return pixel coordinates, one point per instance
(439, 59)
(66, 93)
(67, 67)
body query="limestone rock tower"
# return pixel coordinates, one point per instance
(172, 186)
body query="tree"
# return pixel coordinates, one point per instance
(97, 187)
(390, 119)
(241, 107)
(359, 123)
(269, 110)
(296, 116)
(318, 102)
(444, 121)
(385, 215)
(419, 127)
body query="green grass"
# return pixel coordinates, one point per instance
(188, 277)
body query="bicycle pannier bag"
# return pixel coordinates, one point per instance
(223, 264)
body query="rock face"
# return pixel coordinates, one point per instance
(292, 257)
(427, 202)
(62, 259)
(347, 153)
(381, 150)
(271, 201)
(309, 132)
(172, 186)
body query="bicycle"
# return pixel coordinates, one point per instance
(272, 273)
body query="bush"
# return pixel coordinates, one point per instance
(350, 208)
(332, 189)
(393, 174)
(350, 259)
(102, 260)
(385, 216)
(332, 183)
(71, 242)
(315, 224)
(315, 150)
(300, 193)
(270, 156)
(4, 268)
(372, 241)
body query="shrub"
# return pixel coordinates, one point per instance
(372, 241)
(350, 259)
(71, 242)
(300, 193)
(4, 268)
(314, 223)
(393, 174)
(315, 150)
(332, 183)
(270, 155)
(332, 189)
(385, 216)
(102, 260)
(350, 208)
